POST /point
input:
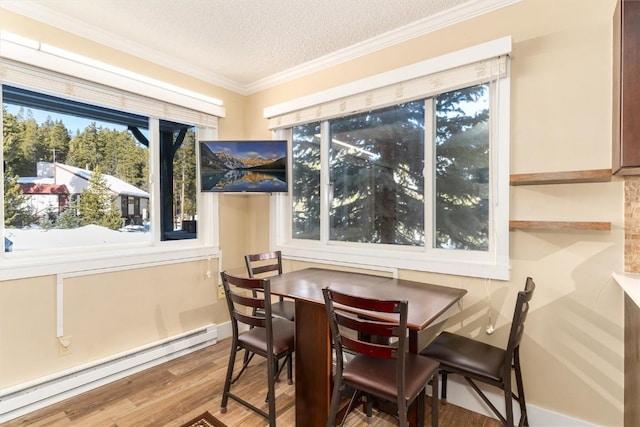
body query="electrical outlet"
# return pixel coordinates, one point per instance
(64, 345)
(220, 292)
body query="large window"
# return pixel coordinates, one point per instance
(376, 182)
(96, 177)
(419, 184)
(80, 181)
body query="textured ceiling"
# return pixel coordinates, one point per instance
(243, 44)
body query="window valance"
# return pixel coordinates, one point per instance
(467, 67)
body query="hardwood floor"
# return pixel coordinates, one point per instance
(177, 391)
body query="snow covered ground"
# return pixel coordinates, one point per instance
(90, 235)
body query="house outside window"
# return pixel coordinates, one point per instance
(419, 184)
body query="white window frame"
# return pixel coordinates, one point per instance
(356, 96)
(28, 64)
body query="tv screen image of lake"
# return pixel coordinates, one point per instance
(243, 166)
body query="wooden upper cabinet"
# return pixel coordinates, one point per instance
(626, 88)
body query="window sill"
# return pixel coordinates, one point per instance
(470, 265)
(19, 266)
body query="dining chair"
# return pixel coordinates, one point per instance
(271, 263)
(264, 335)
(381, 366)
(480, 362)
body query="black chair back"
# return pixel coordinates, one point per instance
(265, 265)
(249, 303)
(520, 316)
(478, 361)
(266, 262)
(238, 302)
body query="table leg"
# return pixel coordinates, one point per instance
(313, 364)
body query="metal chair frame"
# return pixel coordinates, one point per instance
(378, 344)
(450, 361)
(244, 296)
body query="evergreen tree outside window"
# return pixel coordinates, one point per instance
(375, 169)
(461, 169)
(376, 183)
(305, 187)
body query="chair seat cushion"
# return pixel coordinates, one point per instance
(255, 339)
(378, 376)
(466, 355)
(284, 309)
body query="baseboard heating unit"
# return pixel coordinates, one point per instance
(24, 398)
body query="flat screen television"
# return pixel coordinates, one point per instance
(248, 166)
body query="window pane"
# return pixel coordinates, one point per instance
(376, 173)
(71, 181)
(305, 186)
(462, 169)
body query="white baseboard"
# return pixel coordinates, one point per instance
(24, 398)
(224, 330)
(461, 394)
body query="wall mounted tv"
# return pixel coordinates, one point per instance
(244, 166)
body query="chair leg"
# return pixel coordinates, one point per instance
(420, 401)
(271, 393)
(228, 379)
(245, 363)
(290, 368)
(402, 411)
(508, 402)
(524, 419)
(443, 396)
(278, 368)
(335, 400)
(435, 402)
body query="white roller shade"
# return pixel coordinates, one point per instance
(467, 67)
(29, 69)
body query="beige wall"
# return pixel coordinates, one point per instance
(561, 120)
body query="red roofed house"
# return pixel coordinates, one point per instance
(46, 198)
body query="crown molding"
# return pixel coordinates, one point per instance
(452, 16)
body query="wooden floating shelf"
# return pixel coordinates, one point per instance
(560, 225)
(595, 175)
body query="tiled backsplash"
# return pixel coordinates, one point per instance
(632, 224)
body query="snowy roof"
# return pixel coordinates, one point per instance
(116, 185)
(35, 180)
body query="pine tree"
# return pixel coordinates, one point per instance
(97, 205)
(55, 137)
(85, 149)
(184, 167)
(69, 218)
(16, 209)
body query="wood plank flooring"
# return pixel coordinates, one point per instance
(177, 391)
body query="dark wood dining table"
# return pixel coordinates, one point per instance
(427, 302)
